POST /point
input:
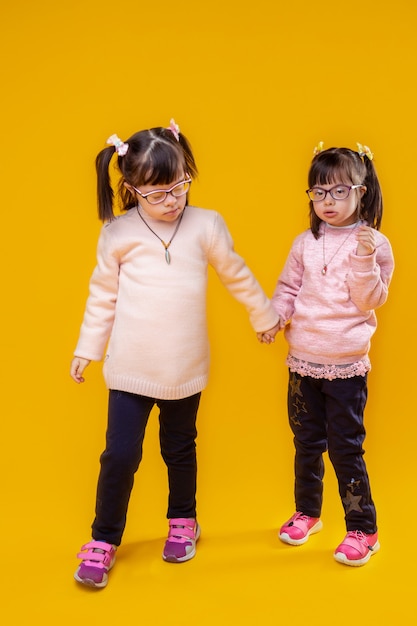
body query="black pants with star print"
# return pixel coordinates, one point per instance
(328, 415)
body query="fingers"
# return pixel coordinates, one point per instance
(366, 240)
(77, 368)
(76, 375)
(265, 338)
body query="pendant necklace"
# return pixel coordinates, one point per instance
(326, 265)
(166, 245)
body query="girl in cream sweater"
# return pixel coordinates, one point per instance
(146, 315)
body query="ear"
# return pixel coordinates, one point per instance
(362, 190)
(129, 188)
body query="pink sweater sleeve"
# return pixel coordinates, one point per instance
(289, 282)
(369, 277)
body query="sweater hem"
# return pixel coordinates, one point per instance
(328, 371)
(155, 390)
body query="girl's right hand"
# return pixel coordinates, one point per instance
(78, 365)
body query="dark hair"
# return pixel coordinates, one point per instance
(342, 165)
(154, 157)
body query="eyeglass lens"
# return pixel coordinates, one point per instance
(340, 192)
(155, 197)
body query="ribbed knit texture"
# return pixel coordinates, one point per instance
(153, 315)
(331, 317)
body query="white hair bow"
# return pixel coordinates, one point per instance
(120, 146)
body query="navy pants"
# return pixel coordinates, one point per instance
(127, 419)
(328, 415)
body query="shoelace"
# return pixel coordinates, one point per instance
(361, 537)
(301, 517)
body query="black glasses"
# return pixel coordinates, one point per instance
(338, 192)
(156, 197)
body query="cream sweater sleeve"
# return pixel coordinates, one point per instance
(238, 278)
(100, 308)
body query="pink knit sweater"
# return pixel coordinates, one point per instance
(330, 317)
(152, 315)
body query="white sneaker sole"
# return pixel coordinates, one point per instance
(342, 558)
(299, 542)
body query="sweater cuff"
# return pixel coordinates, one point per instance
(363, 263)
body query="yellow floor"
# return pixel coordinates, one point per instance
(238, 577)
(242, 573)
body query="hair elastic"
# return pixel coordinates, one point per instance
(318, 148)
(174, 128)
(120, 147)
(364, 151)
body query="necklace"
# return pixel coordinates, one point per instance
(166, 245)
(326, 265)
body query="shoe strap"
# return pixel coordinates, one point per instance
(98, 545)
(182, 529)
(97, 554)
(189, 522)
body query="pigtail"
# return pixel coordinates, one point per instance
(189, 157)
(105, 193)
(372, 204)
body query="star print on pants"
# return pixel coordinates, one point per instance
(351, 502)
(295, 386)
(299, 406)
(295, 420)
(354, 484)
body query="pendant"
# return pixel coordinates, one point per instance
(324, 270)
(167, 256)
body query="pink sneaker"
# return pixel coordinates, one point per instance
(98, 558)
(357, 548)
(182, 537)
(298, 529)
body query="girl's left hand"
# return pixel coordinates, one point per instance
(366, 240)
(269, 335)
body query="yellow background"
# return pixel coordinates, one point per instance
(254, 86)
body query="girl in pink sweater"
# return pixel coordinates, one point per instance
(337, 273)
(146, 313)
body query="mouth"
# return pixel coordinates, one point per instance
(172, 212)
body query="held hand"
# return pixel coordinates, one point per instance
(366, 240)
(78, 365)
(269, 335)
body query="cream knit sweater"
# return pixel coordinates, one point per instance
(331, 318)
(151, 315)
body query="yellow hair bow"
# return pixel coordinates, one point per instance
(318, 148)
(365, 151)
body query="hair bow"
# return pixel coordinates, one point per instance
(364, 151)
(174, 128)
(120, 147)
(318, 148)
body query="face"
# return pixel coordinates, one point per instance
(168, 210)
(339, 212)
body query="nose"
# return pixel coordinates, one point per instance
(170, 199)
(328, 198)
